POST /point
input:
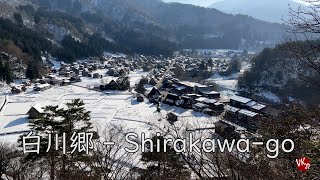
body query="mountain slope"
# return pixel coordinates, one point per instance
(197, 27)
(82, 28)
(268, 10)
(187, 25)
(277, 71)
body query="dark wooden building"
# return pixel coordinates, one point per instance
(35, 112)
(171, 99)
(154, 93)
(172, 117)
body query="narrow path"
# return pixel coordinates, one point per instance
(4, 103)
(164, 74)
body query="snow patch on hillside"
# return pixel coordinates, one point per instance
(270, 96)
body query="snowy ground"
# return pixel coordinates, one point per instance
(3, 92)
(228, 84)
(119, 108)
(270, 96)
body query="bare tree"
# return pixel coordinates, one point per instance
(7, 153)
(112, 161)
(303, 41)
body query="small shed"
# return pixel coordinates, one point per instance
(113, 85)
(85, 73)
(172, 117)
(231, 111)
(16, 90)
(122, 72)
(96, 75)
(187, 102)
(153, 81)
(209, 102)
(208, 111)
(200, 107)
(75, 79)
(139, 97)
(35, 111)
(218, 106)
(111, 72)
(171, 99)
(154, 93)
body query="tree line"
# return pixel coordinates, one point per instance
(6, 73)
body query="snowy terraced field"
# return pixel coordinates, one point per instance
(118, 108)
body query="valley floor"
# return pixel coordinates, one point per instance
(110, 107)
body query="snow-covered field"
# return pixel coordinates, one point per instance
(228, 84)
(270, 96)
(119, 108)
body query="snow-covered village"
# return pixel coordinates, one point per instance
(137, 94)
(159, 89)
(111, 90)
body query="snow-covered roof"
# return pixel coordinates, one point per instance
(191, 84)
(247, 113)
(43, 85)
(201, 99)
(232, 109)
(210, 101)
(255, 105)
(200, 105)
(38, 107)
(240, 99)
(210, 92)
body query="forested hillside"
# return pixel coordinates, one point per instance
(280, 72)
(83, 28)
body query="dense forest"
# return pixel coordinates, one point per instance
(278, 71)
(26, 39)
(35, 41)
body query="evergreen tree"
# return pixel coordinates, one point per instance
(18, 18)
(140, 87)
(32, 71)
(71, 120)
(1, 70)
(203, 65)
(47, 123)
(180, 72)
(37, 19)
(75, 120)
(8, 73)
(210, 63)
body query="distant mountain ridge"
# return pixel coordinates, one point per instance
(197, 27)
(187, 25)
(268, 10)
(140, 26)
